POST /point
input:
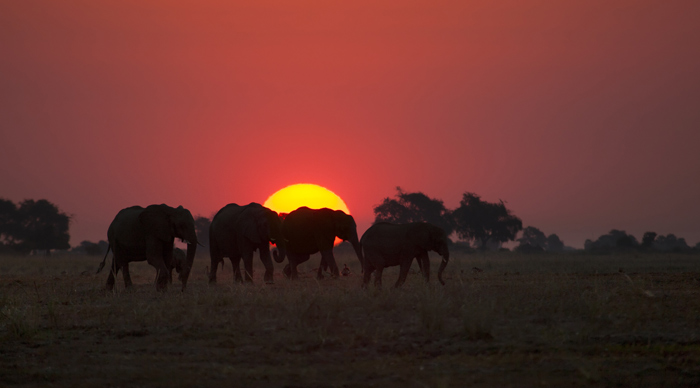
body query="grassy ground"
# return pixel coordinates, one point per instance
(555, 320)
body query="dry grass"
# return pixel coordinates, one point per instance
(558, 320)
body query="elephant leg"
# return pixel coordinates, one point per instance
(161, 278)
(236, 264)
(267, 262)
(324, 266)
(126, 276)
(294, 260)
(216, 258)
(213, 267)
(319, 274)
(248, 265)
(424, 264)
(170, 276)
(367, 275)
(329, 259)
(155, 257)
(169, 264)
(403, 272)
(378, 277)
(112, 274)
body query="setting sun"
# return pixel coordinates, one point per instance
(304, 194)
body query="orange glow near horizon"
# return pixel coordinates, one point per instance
(304, 194)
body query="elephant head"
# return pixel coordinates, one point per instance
(346, 229)
(432, 238)
(266, 227)
(166, 223)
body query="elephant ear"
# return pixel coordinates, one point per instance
(255, 228)
(419, 234)
(437, 236)
(156, 220)
(274, 225)
(343, 224)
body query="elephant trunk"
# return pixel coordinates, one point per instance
(358, 251)
(187, 266)
(280, 252)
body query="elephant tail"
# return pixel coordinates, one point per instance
(102, 265)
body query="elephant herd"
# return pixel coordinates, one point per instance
(236, 232)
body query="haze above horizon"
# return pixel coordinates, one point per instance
(582, 115)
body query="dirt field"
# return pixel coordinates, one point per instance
(538, 320)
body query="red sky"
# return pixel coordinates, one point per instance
(583, 115)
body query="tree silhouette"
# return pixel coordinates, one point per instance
(33, 225)
(648, 240)
(533, 238)
(9, 228)
(554, 243)
(484, 223)
(670, 243)
(90, 248)
(614, 240)
(201, 227)
(413, 207)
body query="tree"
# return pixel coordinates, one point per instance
(554, 243)
(533, 237)
(201, 227)
(671, 243)
(614, 240)
(44, 226)
(90, 248)
(534, 240)
(484, 223)
(413, 207)
(33, 225)
(648, 240)
(9, 228)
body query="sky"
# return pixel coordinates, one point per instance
(582, 115)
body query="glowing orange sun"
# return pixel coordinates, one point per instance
(304, 194)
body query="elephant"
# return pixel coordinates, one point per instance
(385, 244)
(238, 231)
(138, 234)
(314, 230)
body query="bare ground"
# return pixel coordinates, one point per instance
(539, 320)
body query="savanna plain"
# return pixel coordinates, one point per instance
(502, 319)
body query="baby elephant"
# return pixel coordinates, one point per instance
(385, 245)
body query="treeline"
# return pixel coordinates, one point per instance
(619, 240)
(476, 224)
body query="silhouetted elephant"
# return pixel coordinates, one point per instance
(314, 230)
(385, 245)
(138, 234)
(238, 231)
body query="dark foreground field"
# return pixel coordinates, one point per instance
(540, 320)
